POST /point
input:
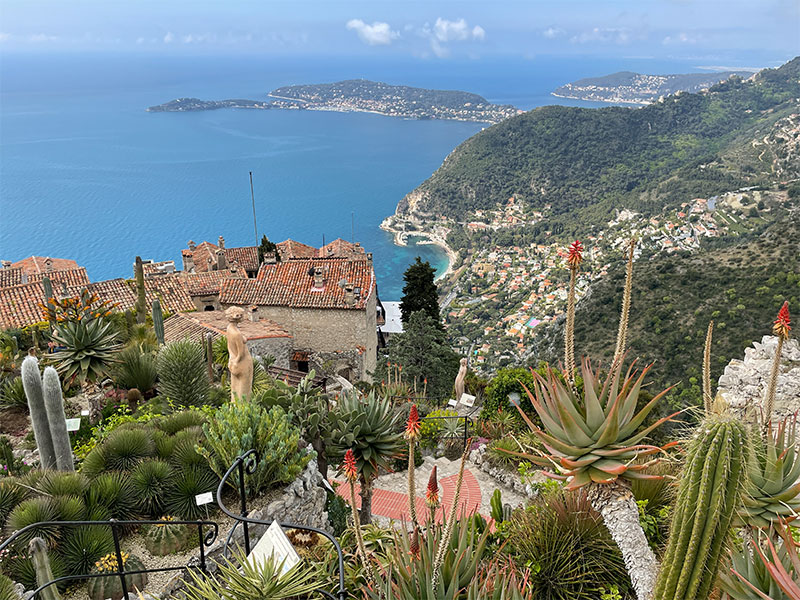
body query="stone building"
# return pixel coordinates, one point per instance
(205, 257)
(328, 305)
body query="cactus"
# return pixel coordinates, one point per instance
(110, 586)
(54, 404)
(210, 356)
(44, 574)
(48, 287)
(32, 382)
(141, 301)
(497, 506)
(167, 538)
(708, 497)
(158, 321)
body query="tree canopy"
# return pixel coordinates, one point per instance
(420, 291)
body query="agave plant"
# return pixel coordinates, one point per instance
(595, 441)
(773, 491)
(88, 349)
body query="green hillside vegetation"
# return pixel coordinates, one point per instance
(740, 286)
(587, 162)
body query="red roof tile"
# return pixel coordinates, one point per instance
(244, 256)
(10, 276)
(70, 277)
(20, 305)
(163, 267)
(208, 284)
(171, 291)
(292, 249)
(340, 248)
(291, 283)
(204, 257)
(38, 264)
(195, 326)
(115, 291)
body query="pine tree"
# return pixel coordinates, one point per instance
(420, 291)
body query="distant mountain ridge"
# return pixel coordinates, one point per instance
(638, 88)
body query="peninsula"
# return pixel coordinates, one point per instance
(627, 87)
(361, 95)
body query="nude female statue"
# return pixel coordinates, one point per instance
(462, 374)
(240, 363)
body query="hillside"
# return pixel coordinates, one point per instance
(638, 88)
(584, 163)
(740, 285)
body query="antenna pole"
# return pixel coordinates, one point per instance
(253, 198)
(352, 227)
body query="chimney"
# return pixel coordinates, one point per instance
(192, 245)
(222, 259)
(253, 313)
(319, 281)
(6, 264)
(221, 242)
(349, 296)
(270, 258)
(369, 257)
(48, 265)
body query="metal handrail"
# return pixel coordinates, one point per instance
(205, 541)
(246, 463)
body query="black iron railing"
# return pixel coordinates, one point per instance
(206, 539)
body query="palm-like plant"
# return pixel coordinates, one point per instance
(136, 368)
(182, 375)
(369, 426)
(89, 349)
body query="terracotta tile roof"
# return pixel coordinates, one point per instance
(244, 256)
(208, 284)
(70, 277)
(171, 291)
(201, 255)
(291, 283)
(10, 276)
(38, 264)
(293, 378)
(292, 249)
(20, 305)
(195, 326)
(340, 248)
(115, 291)
(158, 268)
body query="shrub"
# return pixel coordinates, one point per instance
(431, 428)
(241, 426)
(59, 483)
(115, 492)
(184, 449)
(505, 382)
(12, 394)
(136, 369)
(567, 546)
(338, 511)
(84, 546)
(150, 480)
(188, 483)
(179, 421)
(182, 373)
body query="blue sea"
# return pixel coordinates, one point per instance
(86, 173)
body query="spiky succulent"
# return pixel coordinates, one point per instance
(89, 349)
(773, 490)
(596, 438)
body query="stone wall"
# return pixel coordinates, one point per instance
(743, 384)
(504, 477)
(280, 348)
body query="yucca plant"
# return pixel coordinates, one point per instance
(188, 483)
(12, 394)
(60, 483)
(595, 441)
(89, 350)
(179, 421)
(182, 373)
(84, 546)
(773, 488)
(114, 492)
(243, 579)
(136, 368)
(36, 510)
(369, 426)
(151, 479)
(121, 451)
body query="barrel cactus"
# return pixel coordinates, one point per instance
(110, 586)
(709, 495)
(167, 538)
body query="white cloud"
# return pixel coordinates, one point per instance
(603, 35)
(169, 37)
(552, 33)
(377, 34)
(4, 36)
(41, 37)
(478, 33)
(445, 31)
(680, 38)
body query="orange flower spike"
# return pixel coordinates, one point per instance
(414, 549)
(350, 468)
(432, 493)
(575, 256)
(781, 328)
(413, 425)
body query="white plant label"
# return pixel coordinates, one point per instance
(73, 424)
(467, 399)
(274, 543)
(202, 499)
(85, 412)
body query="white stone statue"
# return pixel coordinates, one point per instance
(240, 363)
(462, 374)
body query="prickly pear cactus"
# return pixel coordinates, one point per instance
(110, 586)
(167, 538)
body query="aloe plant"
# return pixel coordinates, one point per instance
(89, 348)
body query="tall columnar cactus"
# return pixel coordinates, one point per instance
(32, 383)
(41, 564)
(48, 287)
(54, 404)
(158, 321)
(709, 495)
(141, 301)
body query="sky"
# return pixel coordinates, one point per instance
(768, 31)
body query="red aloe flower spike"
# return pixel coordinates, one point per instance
(575, 254)
(781, 327)
(350, 469)
(413, 424)
(414, 549)
(432, 493)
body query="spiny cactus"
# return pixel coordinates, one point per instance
(500, 512)
(158, 321)
(48, 287)
(32, 382)
(44, 574)
(54, 404)
(141, 301)
(166, 538)
(110, 586)
(708, 497)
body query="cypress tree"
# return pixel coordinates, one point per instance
(420, 291)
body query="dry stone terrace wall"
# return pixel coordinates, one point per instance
(743, 384)
(279, 348)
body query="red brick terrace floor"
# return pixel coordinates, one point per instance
(394, 505)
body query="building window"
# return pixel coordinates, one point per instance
(299, 361)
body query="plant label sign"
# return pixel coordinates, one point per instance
(452, 403)
(73, 424)
(202, 499)
(85, 412)
(467, 400)
(275, 544)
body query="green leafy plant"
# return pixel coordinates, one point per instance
(12, 394)
(84, 546)
(121, 451)
(188, 483)
(242, 426)
(89, 350)
(151, 479)
(500, 452)
(182, 373)
(114, 492)
(432, 425)
(136, 368)
(58, 483)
